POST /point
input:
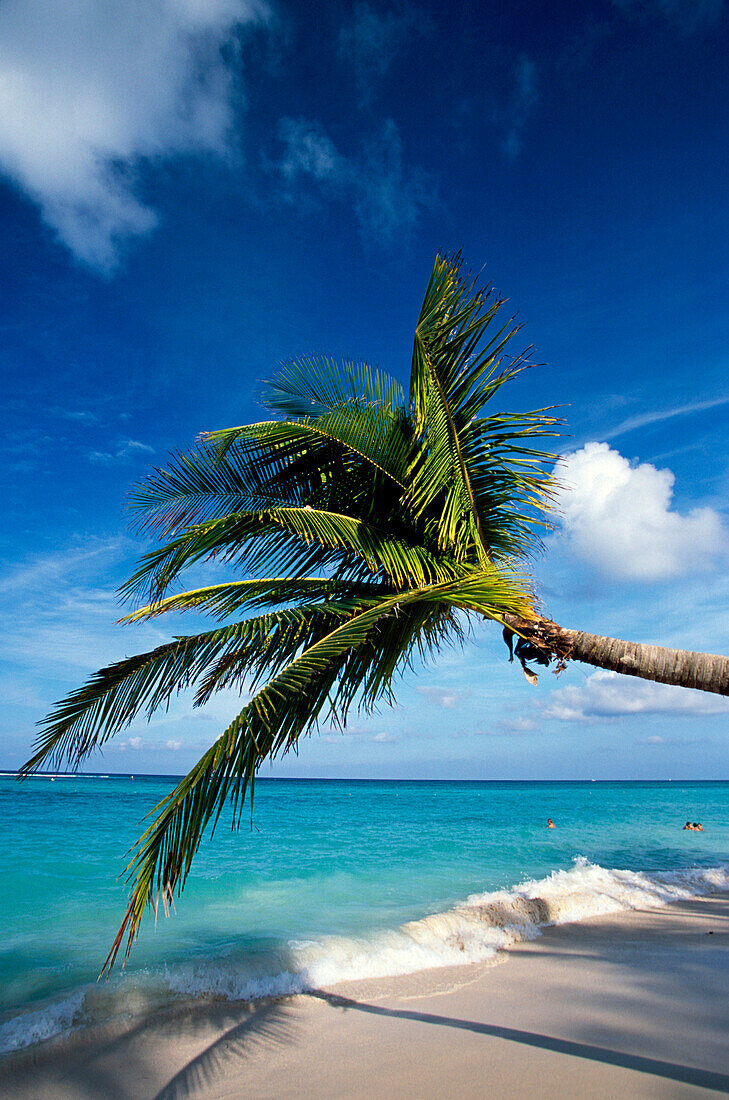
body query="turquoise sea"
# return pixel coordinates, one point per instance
(337, 880)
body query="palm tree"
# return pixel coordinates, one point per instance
(364, 530)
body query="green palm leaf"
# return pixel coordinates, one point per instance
(287, 707)
(223, 600)
(455, 372)
(296, 539)
(364, 530)
(313, 387)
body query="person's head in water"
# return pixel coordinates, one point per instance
(550, 823)
(688, 825)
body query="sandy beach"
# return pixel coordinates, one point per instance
(629, 1005)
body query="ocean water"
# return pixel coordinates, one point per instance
(337, 880)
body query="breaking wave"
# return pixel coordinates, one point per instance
(470, 932)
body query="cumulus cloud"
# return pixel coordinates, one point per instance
(386, 195)
(131, 743)
(90, 90)
(619, 518)
(609, 695)
(369, 42)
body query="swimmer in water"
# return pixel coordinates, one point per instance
(698, 827)
(688, 825)
(550, 823)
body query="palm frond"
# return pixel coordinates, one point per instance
(295, 540)
(116, 695)
(375, 433)
(363, 530)
(202, 486)
(288, 706)
(455, 372)
(231, 597)
(313, 387)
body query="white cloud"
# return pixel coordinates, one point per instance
(645, 419)
(511, 727)
(89, 89)
(387, 197)
(656, 739)
(81, 416)
(127, 449)
(618, 518)
(385, 738)
(58, 614)
(370, 42)
(309, 151)
(442, 697)
(173, 745)
(42, 571)
(609, 695)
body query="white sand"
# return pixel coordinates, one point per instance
(633, 1005)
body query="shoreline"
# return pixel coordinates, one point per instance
(633, 1003)
(476, 930)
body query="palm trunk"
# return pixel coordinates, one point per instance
(705, 671)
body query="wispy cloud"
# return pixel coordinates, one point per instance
(644, 420)
(448, 698)
(39, 570)
(686, 15)
(656, 739)
(309, 151)
(386, 195)
(80, 416)
(524, 98)
(608, 695)
(58, 624)
(619, 518)
(88, 93)
(126, 450)
(511, 727)
(370, 42)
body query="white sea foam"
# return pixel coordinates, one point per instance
(46, 1022)
(470, 932)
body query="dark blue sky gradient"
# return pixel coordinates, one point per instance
(577, 153)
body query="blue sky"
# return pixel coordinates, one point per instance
(192, 191)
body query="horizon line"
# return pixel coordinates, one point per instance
(15, 774)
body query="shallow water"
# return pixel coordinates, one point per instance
(338, 880)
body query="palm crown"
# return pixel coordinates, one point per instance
(363, 529)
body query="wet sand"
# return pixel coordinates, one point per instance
(631, 1005)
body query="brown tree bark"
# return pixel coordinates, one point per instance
(705, 671)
